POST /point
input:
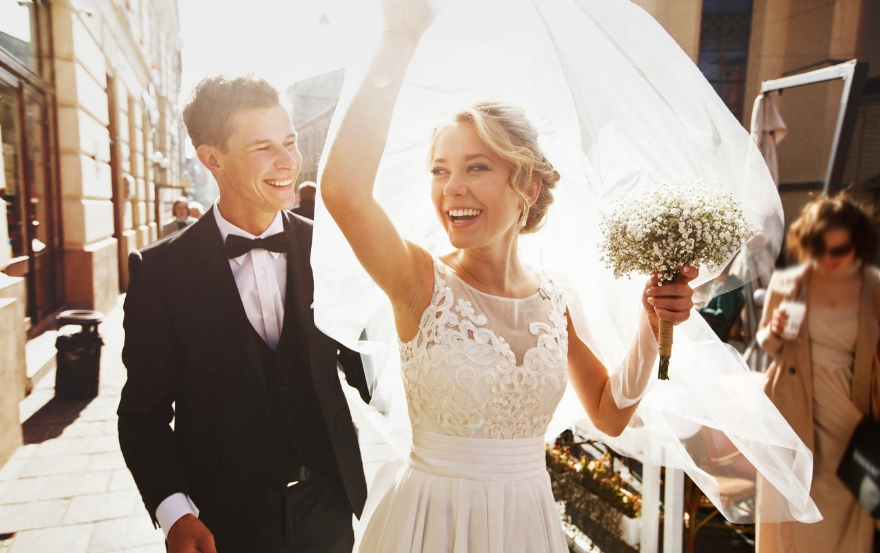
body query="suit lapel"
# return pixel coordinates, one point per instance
(221, 289)
(299, 283)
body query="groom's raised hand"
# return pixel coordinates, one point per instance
(189, 535)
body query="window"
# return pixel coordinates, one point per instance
(724, 49)
(22, 24)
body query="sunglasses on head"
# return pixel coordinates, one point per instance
(837, 251)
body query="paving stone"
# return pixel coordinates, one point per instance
(59, 446)
(111, 427)
(100, 409)
(102, 506)
(35, 434)
(66, 445)
(73, 485)
(69, 539)
(50, 466)
(121, 480)
(156, 548)
(57, 411)
(23, 490)
(125, 534)
(42, 394)
(106, 461)
(28, 516)
(25, 451)
(6, 542)
(101, 444)
(83, 429)
(12, 469)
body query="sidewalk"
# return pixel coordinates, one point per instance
(67, 489)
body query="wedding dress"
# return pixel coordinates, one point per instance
(483, 376)
(620, 109)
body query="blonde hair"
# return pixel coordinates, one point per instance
(506, 130)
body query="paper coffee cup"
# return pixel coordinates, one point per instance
(794, 311)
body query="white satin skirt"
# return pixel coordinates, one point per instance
(463, 495)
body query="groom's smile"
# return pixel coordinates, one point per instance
(257, 169)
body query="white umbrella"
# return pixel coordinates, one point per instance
(768, 130)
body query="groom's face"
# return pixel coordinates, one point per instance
(257, 171)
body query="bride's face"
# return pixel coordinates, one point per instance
(471, 191)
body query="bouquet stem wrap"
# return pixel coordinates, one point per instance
(664, 340)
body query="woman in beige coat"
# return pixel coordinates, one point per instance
(824, 376)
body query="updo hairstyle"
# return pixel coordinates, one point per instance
(508, 132)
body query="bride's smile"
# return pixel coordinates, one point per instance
(471, 189)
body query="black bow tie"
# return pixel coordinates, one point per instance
(236, 246)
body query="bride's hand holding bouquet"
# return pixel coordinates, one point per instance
(667, 233)
(667, 301)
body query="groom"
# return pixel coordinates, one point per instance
(219, 336)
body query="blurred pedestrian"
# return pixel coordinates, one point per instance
(723, 310)
(825, 373)
(196, 210)
(306, 194)
(182, 218)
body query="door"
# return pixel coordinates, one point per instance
(42, 236)
(31, 208)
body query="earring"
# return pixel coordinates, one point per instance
(523, 216)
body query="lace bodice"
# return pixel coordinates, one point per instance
(461, 370)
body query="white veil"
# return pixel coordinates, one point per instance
(619, 107)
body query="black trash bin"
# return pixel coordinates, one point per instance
(79, 354)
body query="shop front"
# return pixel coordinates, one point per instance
(29, 183)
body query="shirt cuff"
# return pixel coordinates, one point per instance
(172, 508)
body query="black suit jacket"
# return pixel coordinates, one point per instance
(191, 355)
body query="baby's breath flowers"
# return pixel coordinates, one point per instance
(672, 225)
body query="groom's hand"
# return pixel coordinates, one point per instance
(189, 535)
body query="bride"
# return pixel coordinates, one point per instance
(487, 341)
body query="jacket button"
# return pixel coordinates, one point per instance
(792, 370)
(267, 408)
(283, 389)
(277, 359)
(290, 421)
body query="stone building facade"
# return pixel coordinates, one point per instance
(312, 103)
(91, 146)
(738, 44)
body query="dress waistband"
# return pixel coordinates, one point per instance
(478, 458)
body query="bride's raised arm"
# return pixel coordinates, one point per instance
(401, 269)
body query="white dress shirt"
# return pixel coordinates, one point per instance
(261, 278)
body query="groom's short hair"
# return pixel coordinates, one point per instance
(214, 100)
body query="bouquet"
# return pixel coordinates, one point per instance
(670, 226)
